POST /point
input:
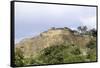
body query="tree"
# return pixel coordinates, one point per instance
(79, 28)
(93, 32)
(82, 29)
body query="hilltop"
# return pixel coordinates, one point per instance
(52, 37)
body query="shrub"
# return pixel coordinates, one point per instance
(92, 44)
(56, 54)
(19, 57)
(52, 55)
(92, 55)
(76, 51)
(20, 60)
(61, 54)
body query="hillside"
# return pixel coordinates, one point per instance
(52, 38)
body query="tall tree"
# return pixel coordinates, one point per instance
(80, 29)
(84, 29)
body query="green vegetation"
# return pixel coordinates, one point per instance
(92, 50)
(52, 55)
(57, 54)
(93, 32)
(62, 54)
(92, 44)
(19, 57)
(20, 60)
(92, 55)
(73, 48)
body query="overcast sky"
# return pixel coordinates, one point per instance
(33, 18)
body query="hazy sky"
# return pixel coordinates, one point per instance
(33, 18)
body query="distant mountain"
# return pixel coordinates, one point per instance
(52, 37)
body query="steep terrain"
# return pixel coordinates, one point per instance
(52, 37)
